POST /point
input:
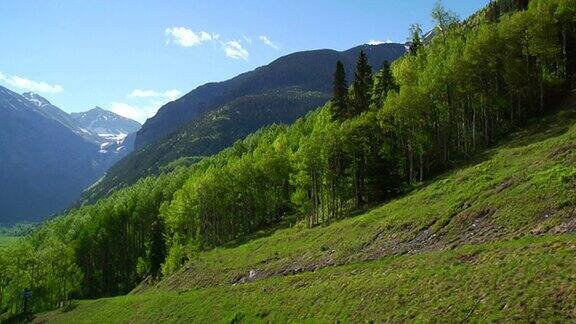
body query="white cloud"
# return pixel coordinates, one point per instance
(128, 111)
(378, 42)
(30, 85)
(268, 42)
(144, 103)
(187, 38)
(168, 94)
(137, 112)
(247, 39)
(234, 49)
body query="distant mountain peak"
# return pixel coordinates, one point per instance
(36, 99)
(98, 109)
(105, 123)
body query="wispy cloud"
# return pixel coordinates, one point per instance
(187, 38)
(137, 113)
(268, 42)
(144, 104)
(234, 49)
(378, 42)
(30, 85)
(168, 94)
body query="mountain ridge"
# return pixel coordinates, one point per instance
(209, 96)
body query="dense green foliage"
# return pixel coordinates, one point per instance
(6, 241)
(471, 85)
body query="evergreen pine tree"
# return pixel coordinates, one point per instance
(383, 82)
(522, 4)
(157, 246)
(493, 11)
(340, 93)
(362, 86)
(415, 38)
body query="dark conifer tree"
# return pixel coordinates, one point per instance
(340, 93)
(157, 246)
(383, 82)
(415, 38)
(522, 4)
(493, 11)
(362, 87)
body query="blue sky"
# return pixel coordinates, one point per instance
(133, 56)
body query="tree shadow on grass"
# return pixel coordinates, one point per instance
(265, 231)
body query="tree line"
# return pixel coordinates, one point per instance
(449, 97)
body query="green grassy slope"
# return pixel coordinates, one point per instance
(492, 240)
(7, 240)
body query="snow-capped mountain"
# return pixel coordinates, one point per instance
(105, 123)
(111, 130)
(102, 127)
(42, 106)
(48, 157)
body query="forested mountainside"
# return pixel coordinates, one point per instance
(208, 135)
(213, 116)
(306, 71)
(46, 158)
(379, 141)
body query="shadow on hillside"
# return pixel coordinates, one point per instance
(18, 318)
(265, 231)
(552, 123)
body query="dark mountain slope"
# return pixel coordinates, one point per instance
(310, 70)
(44, 165)
(218, 114)
(48, 157)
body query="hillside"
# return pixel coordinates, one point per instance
(465, 246)
(213, 116)
(6, 241)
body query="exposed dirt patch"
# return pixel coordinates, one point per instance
(562, 151)
(568, 227)
(468, 258)
(503, 185)
(146, 284)
(542, 227)
(476, 227)
(252, 275)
